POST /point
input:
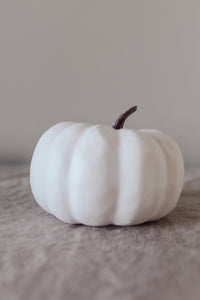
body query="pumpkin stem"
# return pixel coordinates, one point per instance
(119, 123)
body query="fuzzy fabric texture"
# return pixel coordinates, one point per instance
(43, 258)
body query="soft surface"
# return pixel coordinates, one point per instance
(43, 258)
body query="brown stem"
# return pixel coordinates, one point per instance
(119, 123)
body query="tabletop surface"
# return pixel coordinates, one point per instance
(44, 258)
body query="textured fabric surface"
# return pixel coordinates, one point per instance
(43, 258)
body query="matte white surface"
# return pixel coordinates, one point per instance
(88, 61)
(96, 175)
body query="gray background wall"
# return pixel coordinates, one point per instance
(90, 60)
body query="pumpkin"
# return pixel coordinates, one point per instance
(98, 175)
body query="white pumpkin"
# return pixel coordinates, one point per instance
(99, 175)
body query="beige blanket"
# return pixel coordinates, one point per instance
(43, 258)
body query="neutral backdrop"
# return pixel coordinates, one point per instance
(91, 60)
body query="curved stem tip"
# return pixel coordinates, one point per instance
(119, 123)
